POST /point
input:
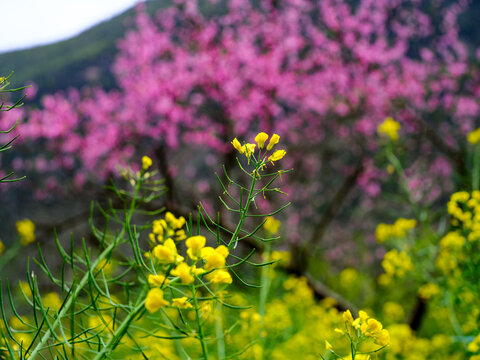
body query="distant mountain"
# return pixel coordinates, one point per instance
(85, 59)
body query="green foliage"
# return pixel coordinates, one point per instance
(4, 84)
(133, 286)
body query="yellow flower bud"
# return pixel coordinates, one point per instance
(273, 141)
(328, 346)
(236, 144)
(260, 139)
(146, 162)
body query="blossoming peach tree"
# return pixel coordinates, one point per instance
(323, 74)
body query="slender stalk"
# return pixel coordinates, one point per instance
(219, 332)
(476, 168)
(403, 179)
(265, 283)
(243, 215)
(201, 336)
(68, 303)
(122, 329)
(83, 282)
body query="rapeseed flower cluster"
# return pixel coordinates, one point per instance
(429, 290)
(390, 128)
(248, 149)
(396, 230)
(450, 252)
(474, 345)
(357, 331)
(464, 209)
(26, 230)
(174, 269)
(366, 326)
(396, 264)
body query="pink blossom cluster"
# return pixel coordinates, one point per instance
(323, 74)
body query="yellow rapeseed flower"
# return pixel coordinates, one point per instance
(397, 263)
(146, 162)
(167, 253)
(271, 225)
(273, 141)
(249, 149)
(221, 276)
(277, 155)
(155, 300)
(2, 247)
(347, 317)
(180, 235)
(184, 272)
(382, 338)
(348, 277)
(52, 300)
(181, 303)
(428, 290)
(175, 223)
(157, 280)
(260, 139)
(25, 288)
(195, 244)
(214, 258)
(281, 256)
(473, 137)
(26, 230)
(390, 128)
(236, 144)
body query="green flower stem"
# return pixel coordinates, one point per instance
(84, 281)
(66, 308)
(243, 215)
(219, 332)
(122, 329)
(452, 316)
(265, 283)
(403, 179)
(476, 168)
(201, 336)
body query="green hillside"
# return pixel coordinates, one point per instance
(82, 60)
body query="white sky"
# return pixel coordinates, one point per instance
(27, 23)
